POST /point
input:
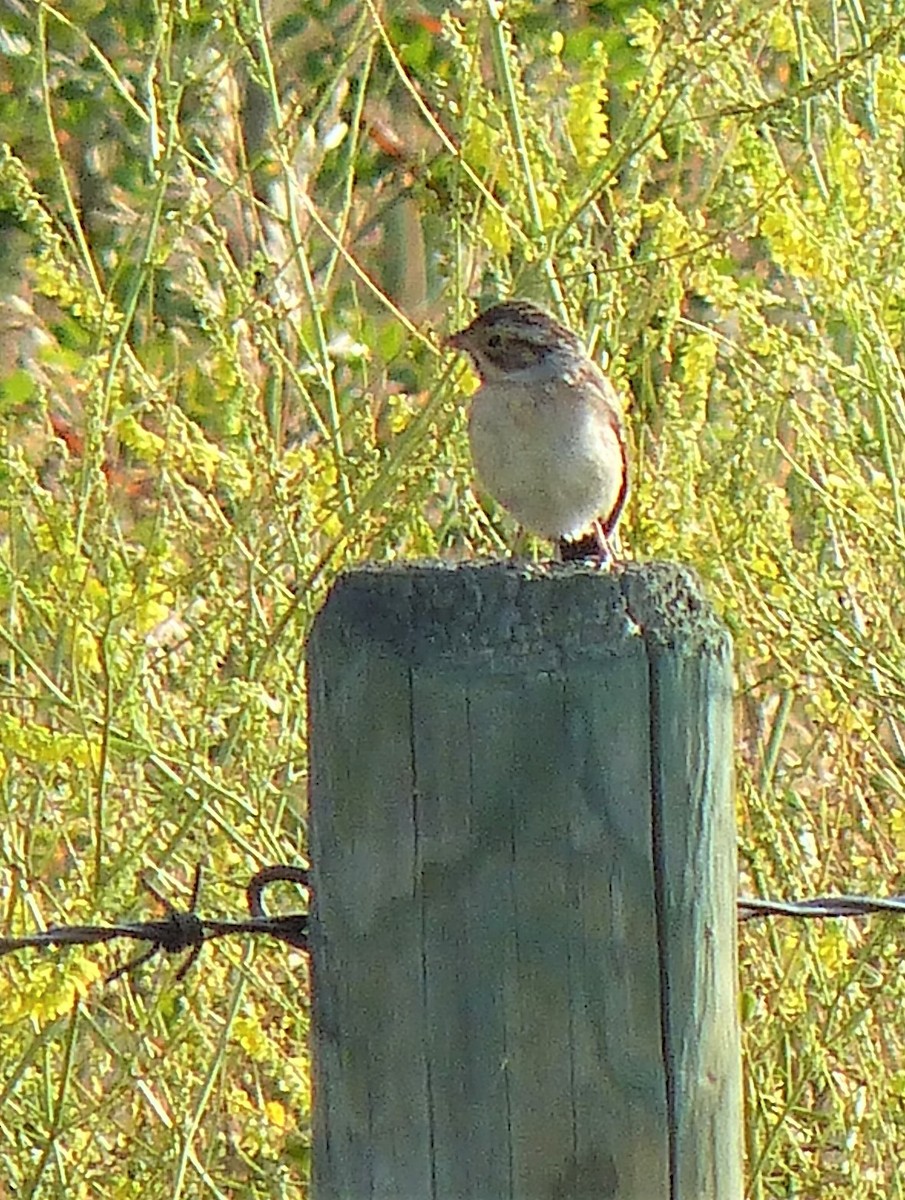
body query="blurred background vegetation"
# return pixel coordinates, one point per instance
(230, 239)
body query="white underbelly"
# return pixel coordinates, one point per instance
(555, 467)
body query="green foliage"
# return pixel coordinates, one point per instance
(225, 245)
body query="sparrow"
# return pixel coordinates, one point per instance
(546, 429)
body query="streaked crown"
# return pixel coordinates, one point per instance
(515, 336)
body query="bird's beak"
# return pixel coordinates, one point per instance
(454, 341)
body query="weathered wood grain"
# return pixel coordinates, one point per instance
(523, 942)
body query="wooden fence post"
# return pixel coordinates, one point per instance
(524, 914)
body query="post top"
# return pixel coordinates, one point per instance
(428, 610)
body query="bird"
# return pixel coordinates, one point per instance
(546, 429)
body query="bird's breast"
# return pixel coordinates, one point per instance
(549, 453)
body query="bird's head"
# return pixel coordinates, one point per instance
(515, 336)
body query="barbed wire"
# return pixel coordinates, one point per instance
(820, 906)
(182, 931)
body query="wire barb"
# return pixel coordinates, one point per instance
(183, 930)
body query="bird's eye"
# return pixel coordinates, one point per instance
(494, 341)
